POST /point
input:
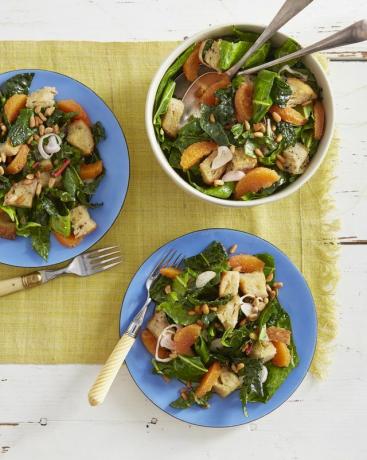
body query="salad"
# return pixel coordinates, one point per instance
(218, 327)
(50, 166)
(253, 135)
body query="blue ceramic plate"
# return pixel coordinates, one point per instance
(113, 187)
(295, 297)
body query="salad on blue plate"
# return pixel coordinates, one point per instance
(50, 166)
(218, 327)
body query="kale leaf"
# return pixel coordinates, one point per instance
(190, 400)
(60, 118)
(40, 237)
(214, 257)
(18, 84)
(20, 131)
(289, 133)
(252, 387)
(281, 92)
(99, 133)
(186, 368)
(190, 133)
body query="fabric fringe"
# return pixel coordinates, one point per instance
(328, 251)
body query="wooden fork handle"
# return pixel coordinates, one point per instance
(19, 283)
(107, 375)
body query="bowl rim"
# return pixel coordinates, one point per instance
(194, 232)
(69, 258)
(316, 161)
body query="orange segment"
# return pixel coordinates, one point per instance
(208, 97)
(170, 272)
(208, 380)
(243, 102)
(69, 105)
(319, 114)
(13, 106)
(150, 343)
(192, 64)
(247, 263)
(91, 170)
(283, 356)
(195, 152)
(290, 115)
(185, 338)
(68, 241)
(255, 180)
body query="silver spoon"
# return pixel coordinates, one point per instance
(192, 103)
(354, 33)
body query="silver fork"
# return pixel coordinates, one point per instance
(86, 264)
(107, 375)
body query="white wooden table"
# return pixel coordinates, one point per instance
(43, 409)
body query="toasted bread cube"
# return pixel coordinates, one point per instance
(228, 313)
(227, 383)
(210, 56)
(80, 136)
(171, 119)
(208, 174)
(7, 227)
(44, 97)
(296, 158)
(301, 92)
(157, 323)
(21, 194)
(229, 283)
(264, 351)
(241, 161)
(81, 222)
(253, 284)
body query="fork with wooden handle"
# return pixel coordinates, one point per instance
(86, 264)
(106, 376)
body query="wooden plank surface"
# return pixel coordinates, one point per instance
(43, 409)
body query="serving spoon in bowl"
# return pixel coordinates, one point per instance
(190, 98)
(354, 33)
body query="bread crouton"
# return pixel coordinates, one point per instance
(228, 313)
(81, 222)
(253, 284)
(44, 97)
(296, 158)
(209, 53)
(208, 174)
(301, 92)
(241, 161)
(80, 136)
(7, 227)
(171, 119)
(157, 323)
(264, 351)
(227, 383)
(229, 283)
(279, 334)
(21, 194)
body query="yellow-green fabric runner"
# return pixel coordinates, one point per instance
(75, 320)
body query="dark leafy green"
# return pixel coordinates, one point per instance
(289, 133)
(252, 388)
(18, 84)
(177, 312)
(99, 133)
(235, 338)
(40, 237)
(214, 257)
(190, 133)
(20, 131)
(185, 368)
(262, 94)
(202, 350)
(190, 400)
(60, 118)
(281, 92)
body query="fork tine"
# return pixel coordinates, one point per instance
(102, 256)
(100, 263)
(98, 251)
(103, 268)
(161, 263)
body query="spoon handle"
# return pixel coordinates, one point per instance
(289, 9)
(354, 33)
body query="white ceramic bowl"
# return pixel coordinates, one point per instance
(311, 63)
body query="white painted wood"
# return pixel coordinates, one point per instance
(116, 20)
(44, 412)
